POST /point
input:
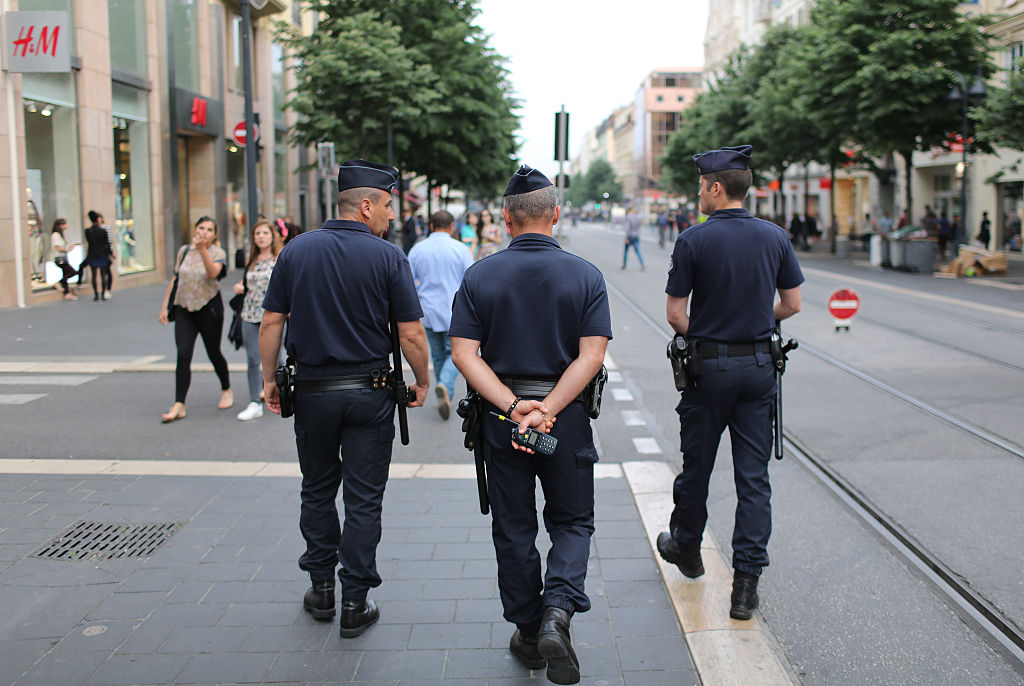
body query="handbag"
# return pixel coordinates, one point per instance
(174, 287)
(236, 303)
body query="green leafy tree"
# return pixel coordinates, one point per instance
(1000, 120)
(590, 187)
(470, 142)
(353, 74)
(884, 68)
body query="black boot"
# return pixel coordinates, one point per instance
(319, 600)
(744, 595)
(524, 649)
(686, 558)
(357, 616)
(555, 645)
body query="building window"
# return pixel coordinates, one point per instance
(277, 80)
(133, 209)
(127, 22)
(186, 44)
(51, 168)
(280, 179)
(942, 183)
(661, 98)
(236, 79)
(680, 98)
(670, 81)
(1013, 55)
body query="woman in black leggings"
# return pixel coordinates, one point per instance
(198, 311)
(99, 257)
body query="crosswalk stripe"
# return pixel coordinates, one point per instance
(36, 380)
(19, 398)
(633, 418)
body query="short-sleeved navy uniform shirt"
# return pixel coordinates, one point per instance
(337, 285)
(732, 264)
(529, 305)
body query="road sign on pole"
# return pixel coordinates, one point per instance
(238, 133)
(843, 305)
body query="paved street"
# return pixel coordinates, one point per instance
(219, 601)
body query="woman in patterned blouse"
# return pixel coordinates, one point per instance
(199, 311)
(266, 244)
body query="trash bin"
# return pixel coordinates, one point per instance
(920, 254)
(897, 252)
(879, 251)
(842, 246)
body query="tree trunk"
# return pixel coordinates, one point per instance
(430, 199)
(908, 167)
(401, 208)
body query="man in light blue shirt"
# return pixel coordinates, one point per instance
(438, 263)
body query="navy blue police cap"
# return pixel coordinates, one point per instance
(526, 179)
(729, 157)
(363, 174)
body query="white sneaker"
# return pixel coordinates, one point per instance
(251, 411)
(107, 296)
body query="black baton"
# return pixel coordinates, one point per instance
(779, 357)
(398, 389)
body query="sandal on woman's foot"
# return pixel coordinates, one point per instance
(227, 399)
(176, 412)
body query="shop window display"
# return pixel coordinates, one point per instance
(51, 161)
(133, 227)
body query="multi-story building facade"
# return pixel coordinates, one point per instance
(658, 106)
(141, 130)
(937, 174)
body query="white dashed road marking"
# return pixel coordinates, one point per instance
(623, 395)
(633, 418)
(614, 377)
(647, 446)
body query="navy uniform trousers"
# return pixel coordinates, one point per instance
(738, 393)
(358, 424)
(567, 479)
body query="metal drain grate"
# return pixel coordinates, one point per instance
(106, 541)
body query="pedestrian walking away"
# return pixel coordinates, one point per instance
(60, 248)
(732, 313)
(632, 237)
(663, 228)
(344, 410)
(438, 264)
(99, 256)
(197, 310)
(534, 374)
(266, 244)
(984, 231)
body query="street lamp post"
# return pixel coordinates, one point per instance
(250, 119)
(965, 96)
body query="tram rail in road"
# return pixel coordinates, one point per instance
(982, 616)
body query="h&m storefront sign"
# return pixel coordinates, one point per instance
(197, 113)
(37, 42)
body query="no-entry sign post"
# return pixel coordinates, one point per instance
(843, 305)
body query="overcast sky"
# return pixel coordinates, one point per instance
(588, 55)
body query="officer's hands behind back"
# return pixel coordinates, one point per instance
(531, 414)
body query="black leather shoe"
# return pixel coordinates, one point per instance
(555, 645)
(524, 649)
(744, 595)
(687, 559)
(357, 616)
(319, 600)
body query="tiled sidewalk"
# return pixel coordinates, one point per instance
(220, 601)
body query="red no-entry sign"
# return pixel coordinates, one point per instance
(843, 304)
(238, 133)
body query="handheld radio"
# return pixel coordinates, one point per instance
(534, 440)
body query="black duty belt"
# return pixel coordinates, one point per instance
(710, 351)
(532, 388)
(376, 379)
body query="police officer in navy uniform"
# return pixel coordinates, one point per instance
(529, 329)
(335, 287)
(728, 269)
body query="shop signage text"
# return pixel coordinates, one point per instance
(198, 112)
(37, 42)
